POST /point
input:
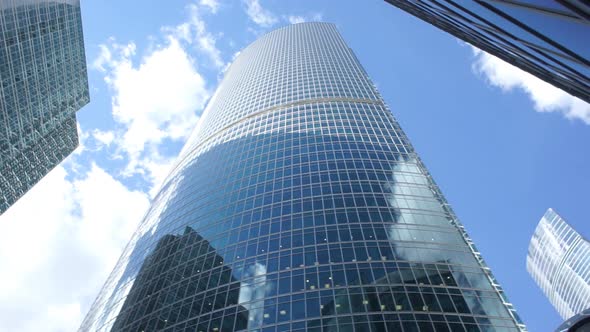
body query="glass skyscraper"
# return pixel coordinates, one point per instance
(559, 262)
(298, 204)
(43, 82)
(548, 39)
(578, 323)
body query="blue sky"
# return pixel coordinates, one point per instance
(502, 146)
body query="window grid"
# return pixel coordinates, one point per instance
(299, 204)
(43, 82)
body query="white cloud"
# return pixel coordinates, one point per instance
(212, 5)
(207, 45)
(105, 56)
(157, 168)
(546, 97)
(104, 137)
(259, 15)
(58, 244)
(82, 138)
(294, 19)
(158, 99)
(194, 32)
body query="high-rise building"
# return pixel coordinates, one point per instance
(548, 39)
(559, 262)
(301, 184)
(43, 82)
(578, 323)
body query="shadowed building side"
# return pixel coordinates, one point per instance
(173, 269)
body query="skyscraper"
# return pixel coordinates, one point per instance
(43, 82)
(548, 39)
(559, 261)
(301, 180)
(578, 323)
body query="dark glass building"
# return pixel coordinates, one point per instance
(298, 204)
(166, 271)
(43, 82)
(548, 39)
(577, 323)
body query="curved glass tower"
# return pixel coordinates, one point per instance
(559, 262)
(298, 204)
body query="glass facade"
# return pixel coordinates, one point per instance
(43, 82)
(578, 323)
(559, 262)
(298, 204)
(548, 39)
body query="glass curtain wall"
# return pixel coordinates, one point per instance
(298, 204)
